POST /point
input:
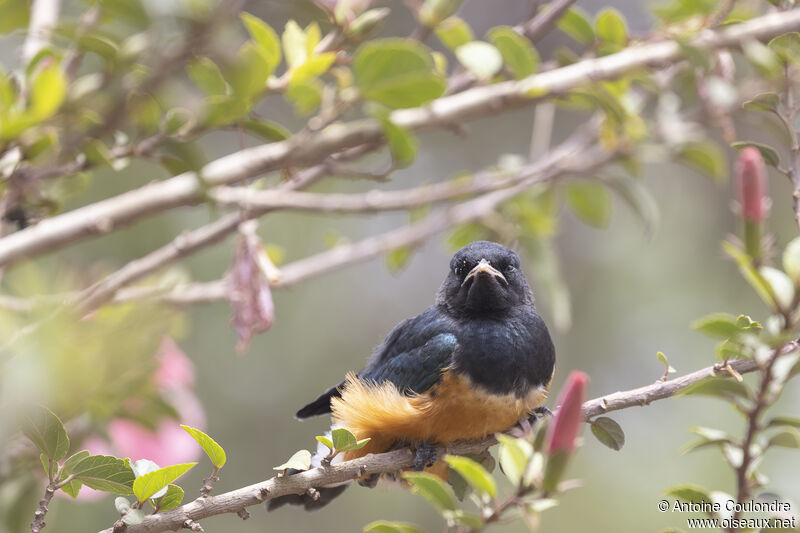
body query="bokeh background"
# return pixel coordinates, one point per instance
(632, 295)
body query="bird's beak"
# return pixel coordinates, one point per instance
(484, 268)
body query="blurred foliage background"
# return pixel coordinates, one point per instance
(632, 293)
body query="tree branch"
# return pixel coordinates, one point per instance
(302, 149)
(236, 500)
(44, 17)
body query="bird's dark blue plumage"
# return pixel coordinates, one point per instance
(470, 365)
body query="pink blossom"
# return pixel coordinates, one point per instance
(174, 368)
(569, 419)
(751, 184)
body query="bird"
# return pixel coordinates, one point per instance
(475, 363)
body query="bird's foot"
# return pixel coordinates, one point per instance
(538, 413)
(425, 455)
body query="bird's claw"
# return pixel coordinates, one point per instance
(538, 413)
(425, 456)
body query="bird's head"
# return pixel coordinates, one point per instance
(484, 278)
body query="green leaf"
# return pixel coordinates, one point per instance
(718, 325)
(608, 432)
(782, 286)
(248, 73)
(72, 488)
(784, 421)
(706, 157)
(312, 67)
(480, 58)
(749, 273)
(611, 28)
(454, 32)
(170, 500)
(514, 455)
(432, 489)
(719, 387)
(305, 96)
(769, 154)
(475, 474)
(325, 442)
(266, 129)
(16, 14)
(518, 53)
(147, 485)
(590, 202)
(763, 102)
(209, 445)
(48, 91)
(384, 526)
(575, 23)
(474, 522)
(397, 259)
(45, 430)
(689, 493)
(266, 39)
(105, 473)
(791, 260)
(301, 460)
(342, 438)
(71, 462)
(206, 75)
(397, 73)
(294, 44)
(663, 358)
(763, 59)
(787, 438)
(402, 143)
(787, 47)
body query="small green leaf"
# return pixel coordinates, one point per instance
(782, 286)
(575, 23)
(74, 459)
(170, 500)
(663, 358)
(763, 59)
(590, 202)
(209, 445)
(402, 143)
(105, 473)
(432, 489)
(301, 460)
(342, 438)
(514, 455)
(787, 438)
(397, 73)
(749, 273)
(787, 47)
(784, 421)
(639, 198)
(305, 96)
(706, 157)
(791, 260)
(266, 129)
(608, 432)
(454, 32)
(477, 476)
(248, 73)
(718, 325)
(384, 526)
(266, 39)
(769, 154)
(147, 485)
(719, 387)
(312, 67)
(45, 430)
(48, 91)
(518, 53)
(480, 58)
(206, 75)
(611, 28)
(397, 259)
(294, 44)
(472, 521)
(763, 102)
(325, 442)
(689, 493)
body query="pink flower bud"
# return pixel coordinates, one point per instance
(569, 418)
(751, 184)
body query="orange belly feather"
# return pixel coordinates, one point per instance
(452, 410)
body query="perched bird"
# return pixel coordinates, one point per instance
(475, 363)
